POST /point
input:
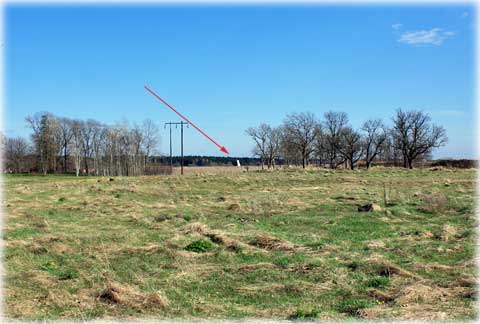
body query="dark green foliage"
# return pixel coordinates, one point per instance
(305, 315)
(377, 282)
(199, 246)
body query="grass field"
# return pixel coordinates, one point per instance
(285, 245)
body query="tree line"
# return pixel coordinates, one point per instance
(200, 160)
(303, 139)
(91, 147)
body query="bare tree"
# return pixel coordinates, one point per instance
(334, 125)
(76, 144)
(137, 154)
(299, 130)
(351, 146)
(374, 140)
(96, 136)
(320, 146)
(266, 143)
(415, 136)
(287, 149)
(88, 132)
(44, 126)
(65, 134)
(16, 150)
(274, 138)
(102, 149)
(151, 138)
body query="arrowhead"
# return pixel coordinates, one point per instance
(224, 150)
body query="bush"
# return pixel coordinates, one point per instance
(463, 164)
(199, 246)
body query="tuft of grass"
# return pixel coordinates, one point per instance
(61, 271)
(434, 203)
(377, 282)
(199, 246)
(305, 314)
(353, 306)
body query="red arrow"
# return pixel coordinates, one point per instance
(222, 148)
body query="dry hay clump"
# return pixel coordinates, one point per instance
(144, 249)
(271, 288)
(222, 239)
(216, 236)
(36, 248)
(23, 189)
(433, 203)
(53, 244)
(386, 268)
(234, 207)
(464, 287)
(425, 292)
(448, 232)
(115, 294)
(381, 295)
(465, 282)
(409, 313)
(419, 301)
(420, 292)
(247, 268)
(15, 243)
(195, 228)
(376, 244)
(304, 268)
(267, 242)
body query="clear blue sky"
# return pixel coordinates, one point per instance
(231, 67)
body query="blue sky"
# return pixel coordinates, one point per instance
(229, 67)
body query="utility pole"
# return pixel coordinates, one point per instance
(171, 158)
(181, 143)
(181, 147)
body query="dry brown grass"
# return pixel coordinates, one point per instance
(434, 202)
(383, 267)
(117, 294)
(268, 242)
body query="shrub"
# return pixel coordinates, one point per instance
(199, 246)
